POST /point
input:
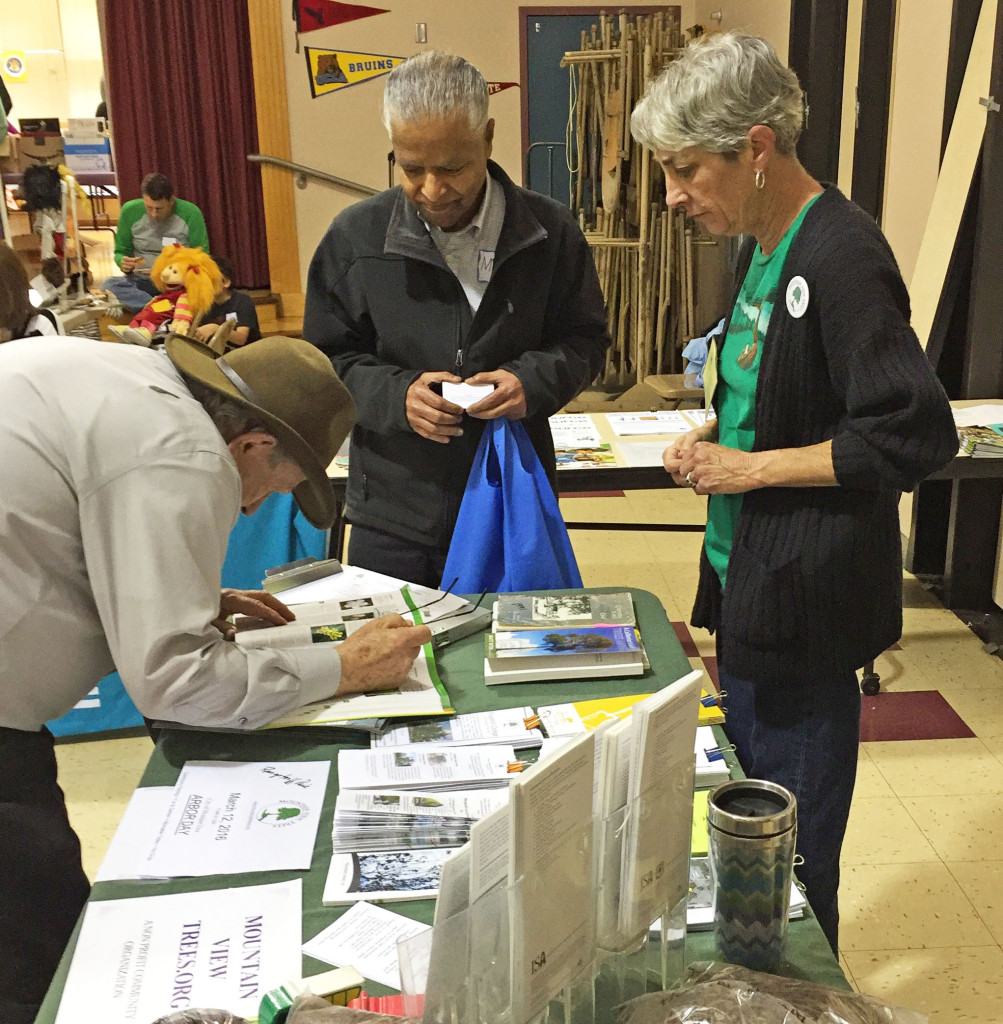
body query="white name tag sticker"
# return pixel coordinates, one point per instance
(231, 316)
(797, 297)
(485, 265)
(168, 241)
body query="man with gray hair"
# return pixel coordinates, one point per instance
(456, 275)
(122, 472)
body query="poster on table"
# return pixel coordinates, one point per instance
(137, 960)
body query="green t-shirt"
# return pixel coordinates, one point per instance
(737, 376)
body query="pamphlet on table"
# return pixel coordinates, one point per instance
(508, 727)
(228, 817)
(550, 876)
(663, 421)
(370, 820)
(644, 454)
(384, 877)
(364, 937)
(417, 768)
(655, 854)
(141, 820)
(142, 958)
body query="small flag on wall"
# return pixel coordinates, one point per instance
(331, 70)
(494, 87)
(314, 14)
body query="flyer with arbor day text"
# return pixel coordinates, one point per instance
(229, 816)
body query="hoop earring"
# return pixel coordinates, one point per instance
(760, 179)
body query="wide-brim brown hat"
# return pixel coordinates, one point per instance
(291, 387)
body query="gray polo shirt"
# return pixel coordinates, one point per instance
(149, 237)
(470, 253)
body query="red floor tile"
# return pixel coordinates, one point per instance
(915, 715)
(683, 633)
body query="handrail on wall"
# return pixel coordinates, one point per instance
(305, 174)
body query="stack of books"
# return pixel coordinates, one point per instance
(711, 767)
(562, 636)
(981, 442)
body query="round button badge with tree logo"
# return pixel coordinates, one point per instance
(284, 812)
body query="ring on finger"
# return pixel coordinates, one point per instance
(690, 481)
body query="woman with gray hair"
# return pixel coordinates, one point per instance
(827, 409)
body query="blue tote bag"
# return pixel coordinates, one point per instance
(509, 534)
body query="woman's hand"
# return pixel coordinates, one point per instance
(676, 454)
(713, 469)
(264, 608)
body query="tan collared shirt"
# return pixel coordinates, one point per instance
(117, 497)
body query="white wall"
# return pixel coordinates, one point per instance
(922, 33)
(848, 123)
(63, 83)
(770, 19)
(341, 132)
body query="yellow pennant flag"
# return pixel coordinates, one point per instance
(331, 70)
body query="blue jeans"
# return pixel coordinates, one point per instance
(134, 291)
(803, 734)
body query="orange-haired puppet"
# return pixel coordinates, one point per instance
(188, 280)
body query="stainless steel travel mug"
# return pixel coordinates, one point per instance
(753, 830)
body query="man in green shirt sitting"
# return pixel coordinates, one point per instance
(145, 226)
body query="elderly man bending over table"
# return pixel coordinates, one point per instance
(122, 473)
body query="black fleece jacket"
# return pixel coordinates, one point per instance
(815, 574)
(382, 303)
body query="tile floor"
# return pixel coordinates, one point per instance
(922, 888)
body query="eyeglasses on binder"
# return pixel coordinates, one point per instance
(442, 597)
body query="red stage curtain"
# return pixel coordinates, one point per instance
(181, 100)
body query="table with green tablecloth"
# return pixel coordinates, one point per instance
(461, 669)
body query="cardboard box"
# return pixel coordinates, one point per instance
(86, 126)
(27, 243)
(19, 221)
(8, 156)
(37, 125)
(43, 148)
(87, 153)
(89, 163)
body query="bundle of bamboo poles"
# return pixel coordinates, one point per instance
(643, 251)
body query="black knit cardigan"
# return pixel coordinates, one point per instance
(815, 575)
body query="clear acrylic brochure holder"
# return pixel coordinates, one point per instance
(643, 875)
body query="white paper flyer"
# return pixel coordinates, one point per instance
(139, 959)
(228, 817)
